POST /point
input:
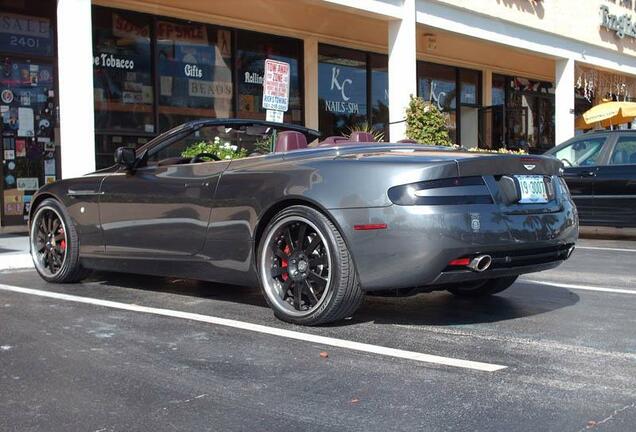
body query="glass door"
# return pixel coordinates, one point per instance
(28, 153)
(517, 128)
(491, 132)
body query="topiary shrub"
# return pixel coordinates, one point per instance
(426, 124)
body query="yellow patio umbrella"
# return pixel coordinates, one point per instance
(607, 114)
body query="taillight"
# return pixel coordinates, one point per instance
(450, 191)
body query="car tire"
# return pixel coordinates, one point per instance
(307, 274)
(483, 288)
(54, 244)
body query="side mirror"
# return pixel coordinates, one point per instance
(125, 157)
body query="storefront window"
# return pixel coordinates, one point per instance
(530, 115)
(379, 66)
(438, 84)
(470, 82)
(342, 89)
(123, 86)
(28, 140)
(498, 89)
(28, 151)
(252, 51)
(195, 77)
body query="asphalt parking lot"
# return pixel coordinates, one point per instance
(557, 351)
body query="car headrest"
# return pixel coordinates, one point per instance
(290, 140)
(360, 136)
(620, 157)
(632, 158)
(407, 141)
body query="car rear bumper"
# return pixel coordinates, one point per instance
(419, 241)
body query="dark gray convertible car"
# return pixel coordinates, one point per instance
(315, 226)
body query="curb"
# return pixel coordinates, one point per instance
(15, 261)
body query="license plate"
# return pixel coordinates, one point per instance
(533, 189)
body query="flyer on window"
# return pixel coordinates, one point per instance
(49, 167)
(25, 121)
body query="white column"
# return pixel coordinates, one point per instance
(564, 100)
(402, 67)
(75, 74)
(311, 82)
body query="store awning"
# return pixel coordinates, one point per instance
(607, 114)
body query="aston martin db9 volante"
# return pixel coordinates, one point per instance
(316, 226)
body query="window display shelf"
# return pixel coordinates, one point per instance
(196, 112)
(122, 107)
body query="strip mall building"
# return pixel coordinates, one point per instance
(80, 78)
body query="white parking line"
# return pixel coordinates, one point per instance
(606, 249)
(273, 331)
(583, 287)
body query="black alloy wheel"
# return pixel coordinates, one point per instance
(301, 262)
(54, 244)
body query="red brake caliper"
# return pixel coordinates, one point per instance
(284, 263)
(63, 242)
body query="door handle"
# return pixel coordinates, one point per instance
(588, 173)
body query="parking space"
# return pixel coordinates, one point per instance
(122, 352)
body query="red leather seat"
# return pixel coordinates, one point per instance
(332, 140)
(289, 141)
(360, 136)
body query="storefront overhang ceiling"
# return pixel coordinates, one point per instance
(299, 18)
(467, 22)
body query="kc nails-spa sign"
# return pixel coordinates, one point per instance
(340, 90)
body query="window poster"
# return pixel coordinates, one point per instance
(20, 147)
(10, 119)
(49, 167)
(166, 85)
(28, 183)
(49, 146)
(224, 45)
(26, 200)
(25, 121)
(13, 202)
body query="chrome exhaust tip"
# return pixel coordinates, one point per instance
(480, 263)
(570, 252)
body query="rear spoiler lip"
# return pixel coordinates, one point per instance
(505, 164)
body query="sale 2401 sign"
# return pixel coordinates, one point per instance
(276, 85)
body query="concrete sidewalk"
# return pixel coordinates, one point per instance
(14, 252)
